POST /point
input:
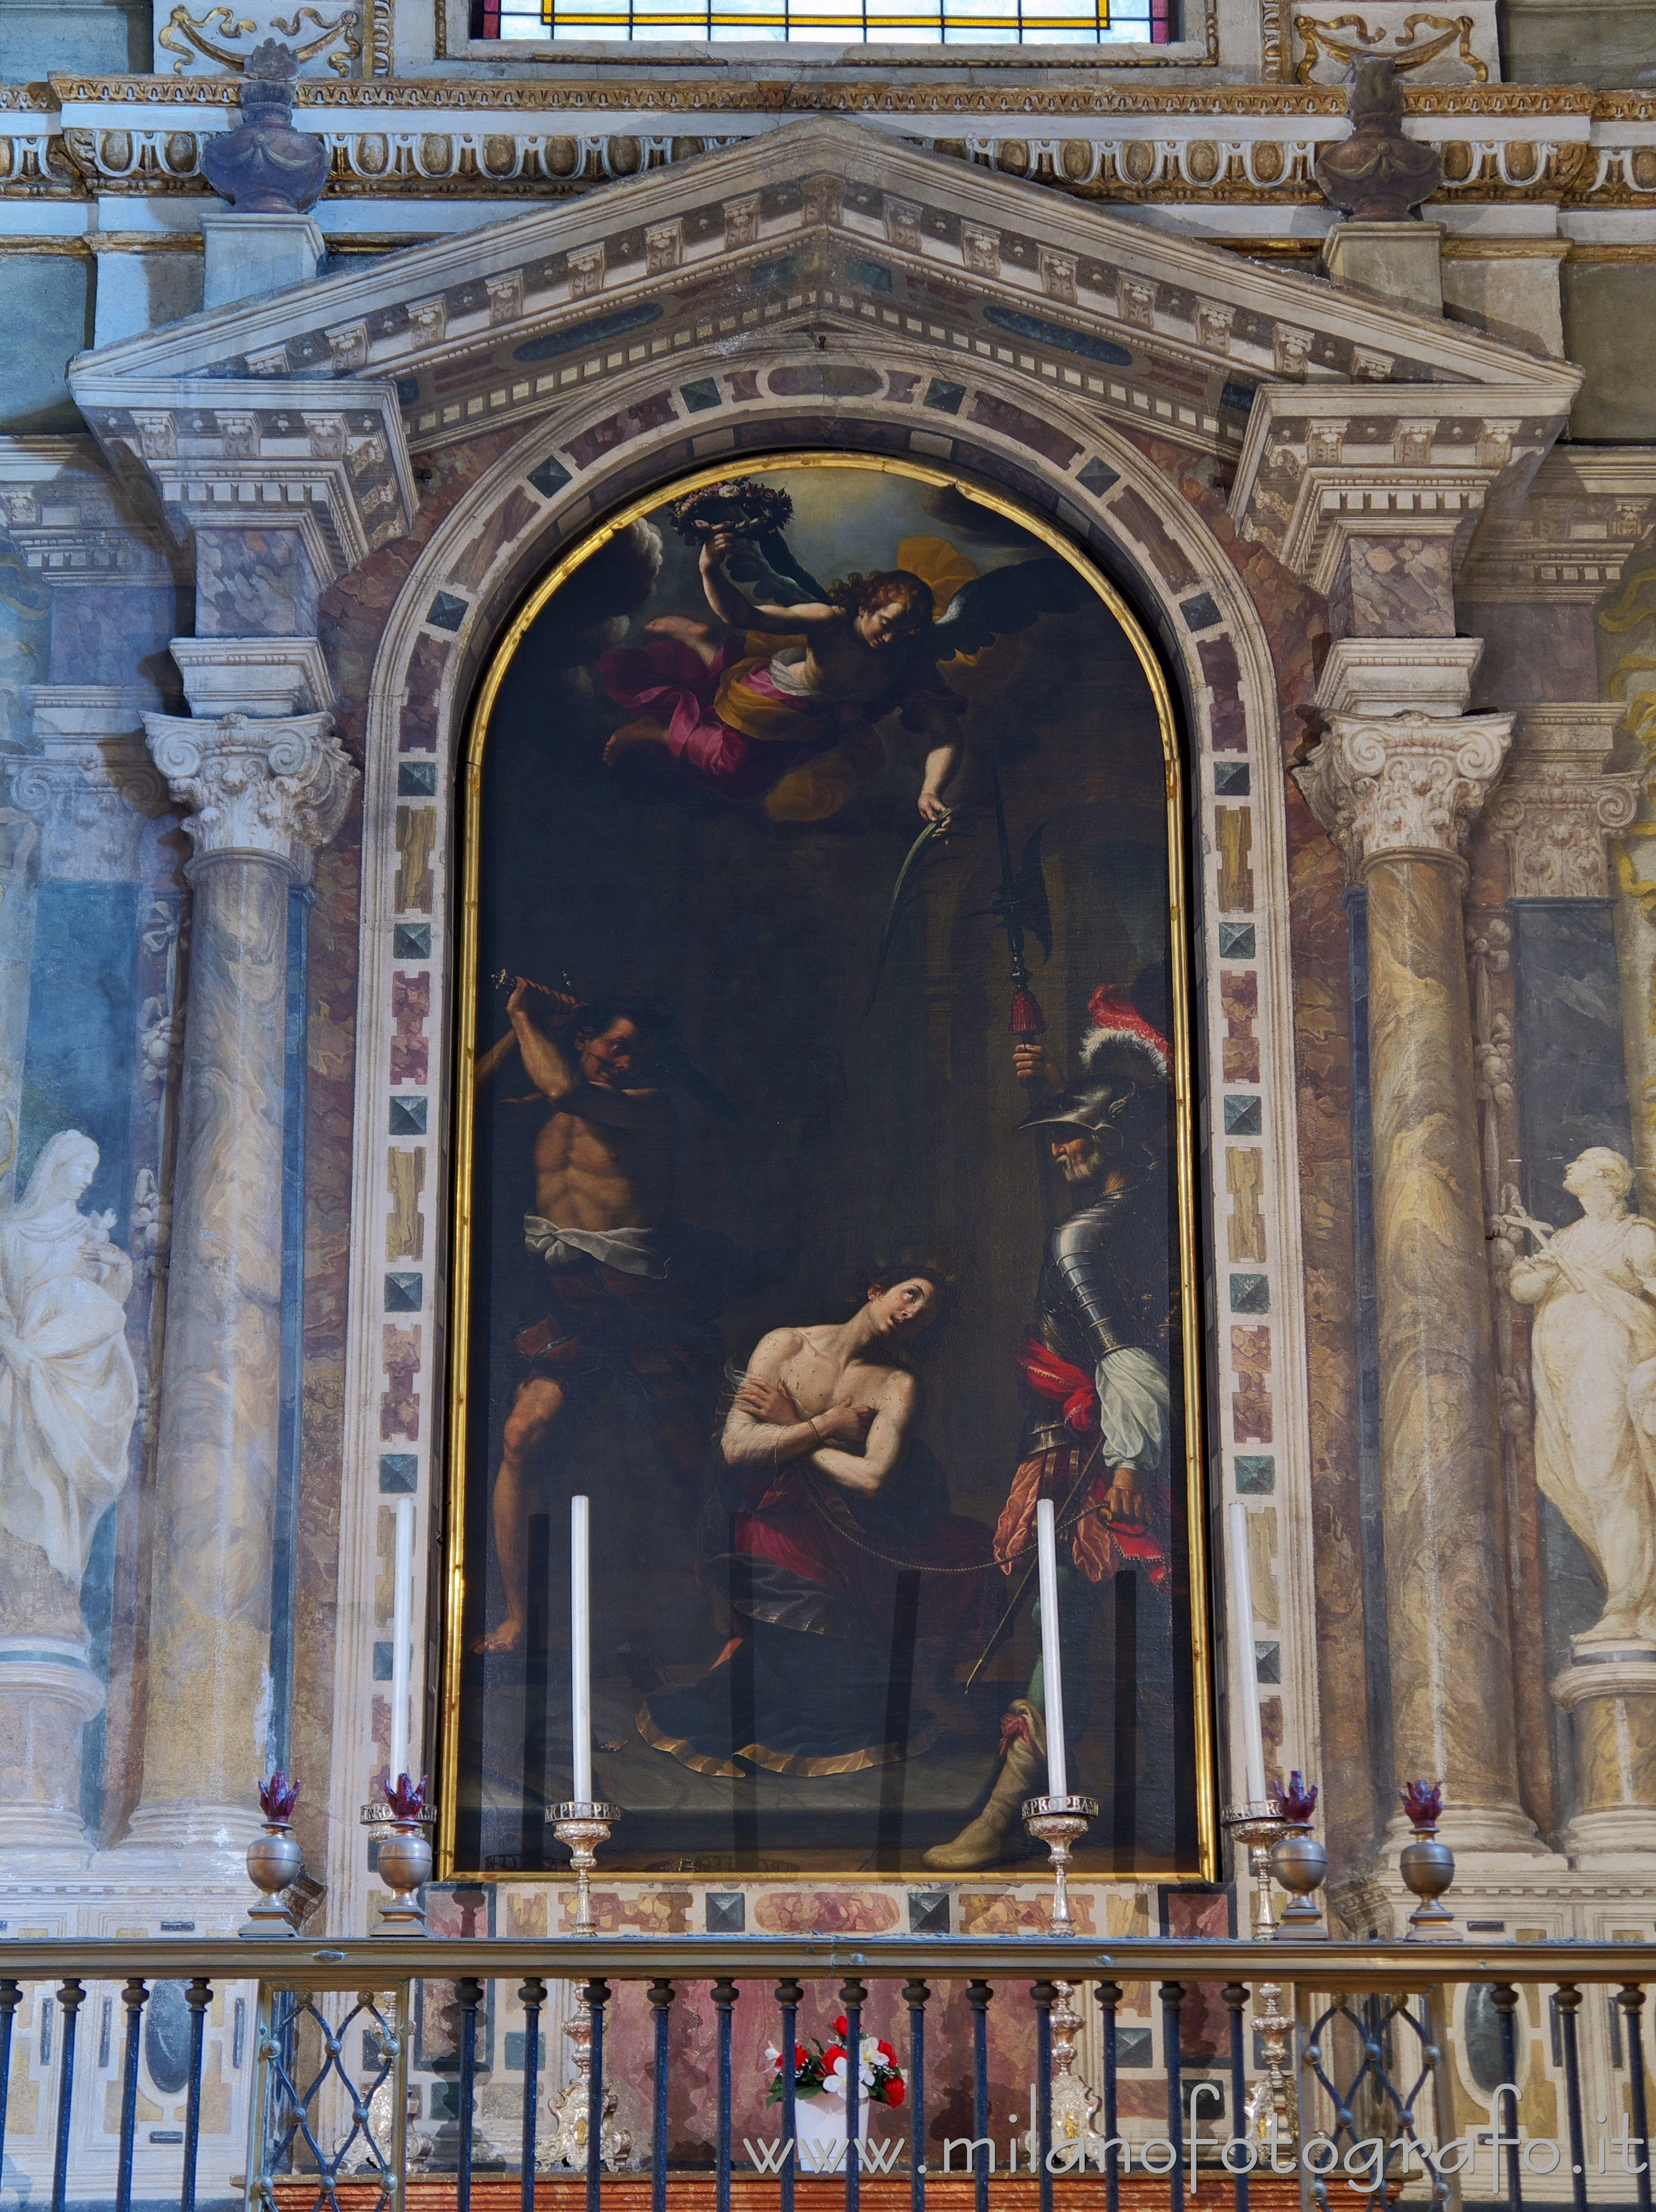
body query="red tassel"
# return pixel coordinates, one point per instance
(1027, 1019)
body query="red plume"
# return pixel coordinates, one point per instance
(1116, 1020)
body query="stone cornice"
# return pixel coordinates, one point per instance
(837, 89)
(858, 192)
(1556, 805)
(1406, 786)
(274, 789)
(1319, 464)
(327, 459)
(72, 520)
(1572, 534)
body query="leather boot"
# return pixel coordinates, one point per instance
(984, 1841)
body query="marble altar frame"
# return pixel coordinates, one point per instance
(1124, 519)
(1193, 1314)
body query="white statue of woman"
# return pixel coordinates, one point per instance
(69, 1392)
(1593, 1369)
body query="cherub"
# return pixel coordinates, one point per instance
(784, 708)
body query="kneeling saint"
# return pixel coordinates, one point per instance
(844, 1585)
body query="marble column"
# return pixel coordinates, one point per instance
(1397, 791)
(262, 796)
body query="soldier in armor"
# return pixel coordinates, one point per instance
(1094, 1368)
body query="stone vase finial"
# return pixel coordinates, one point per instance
(1377, 175)
(264, 166)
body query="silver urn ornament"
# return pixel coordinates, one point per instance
(1299, 1863)
(403, 1855)
(1426, 1865)
(275, 1861)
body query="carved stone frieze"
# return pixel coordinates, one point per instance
(276, 789)
(426, 139)
(1410, 784)
(1557, 804)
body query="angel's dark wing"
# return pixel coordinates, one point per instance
(1007, 600)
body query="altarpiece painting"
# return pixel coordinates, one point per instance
(826, 1191)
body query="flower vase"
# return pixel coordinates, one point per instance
(820, 2132)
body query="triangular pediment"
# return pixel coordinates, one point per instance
(824, 217)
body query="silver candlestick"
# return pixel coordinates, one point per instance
(583, 1824)
(1258, 1826)
(1058, 1822)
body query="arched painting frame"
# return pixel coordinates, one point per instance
(874, 1827)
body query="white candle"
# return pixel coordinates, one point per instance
(402, 1630)
(580, 1656)
(1247, 1668)
(1057, 1772)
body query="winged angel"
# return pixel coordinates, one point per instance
(780, 698)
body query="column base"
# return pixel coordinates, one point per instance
(1476, 1832)
(163, 1831)
(48, 1692)
(135, 1899)
(1609, 1690)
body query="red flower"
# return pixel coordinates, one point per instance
(886, 2053)
(833, 2053)
(841, 2027)
(800, 2054)
(895, 2092)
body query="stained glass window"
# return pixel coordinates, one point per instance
(836, 22)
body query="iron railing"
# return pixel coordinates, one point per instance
(1360, 2063)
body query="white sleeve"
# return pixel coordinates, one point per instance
(1134, 1408)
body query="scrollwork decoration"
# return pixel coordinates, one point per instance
(185, 34)
(1408, 52)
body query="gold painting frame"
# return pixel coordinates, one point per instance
(1184, 1148)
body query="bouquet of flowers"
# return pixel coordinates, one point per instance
(750, 508)
(822, 2071)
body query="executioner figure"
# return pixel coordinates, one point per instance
(622, 1294)
(1094, 1368)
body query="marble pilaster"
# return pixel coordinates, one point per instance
(1398, 792)
(262, 796)
(80, 799)
(1635, 962)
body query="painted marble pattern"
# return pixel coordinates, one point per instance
(329, 1044)
(210, 1656)
(1322, 1026)
(1445, 1572)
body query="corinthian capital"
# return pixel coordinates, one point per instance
(278, 789)
(1406, 783)
(1558, 803)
